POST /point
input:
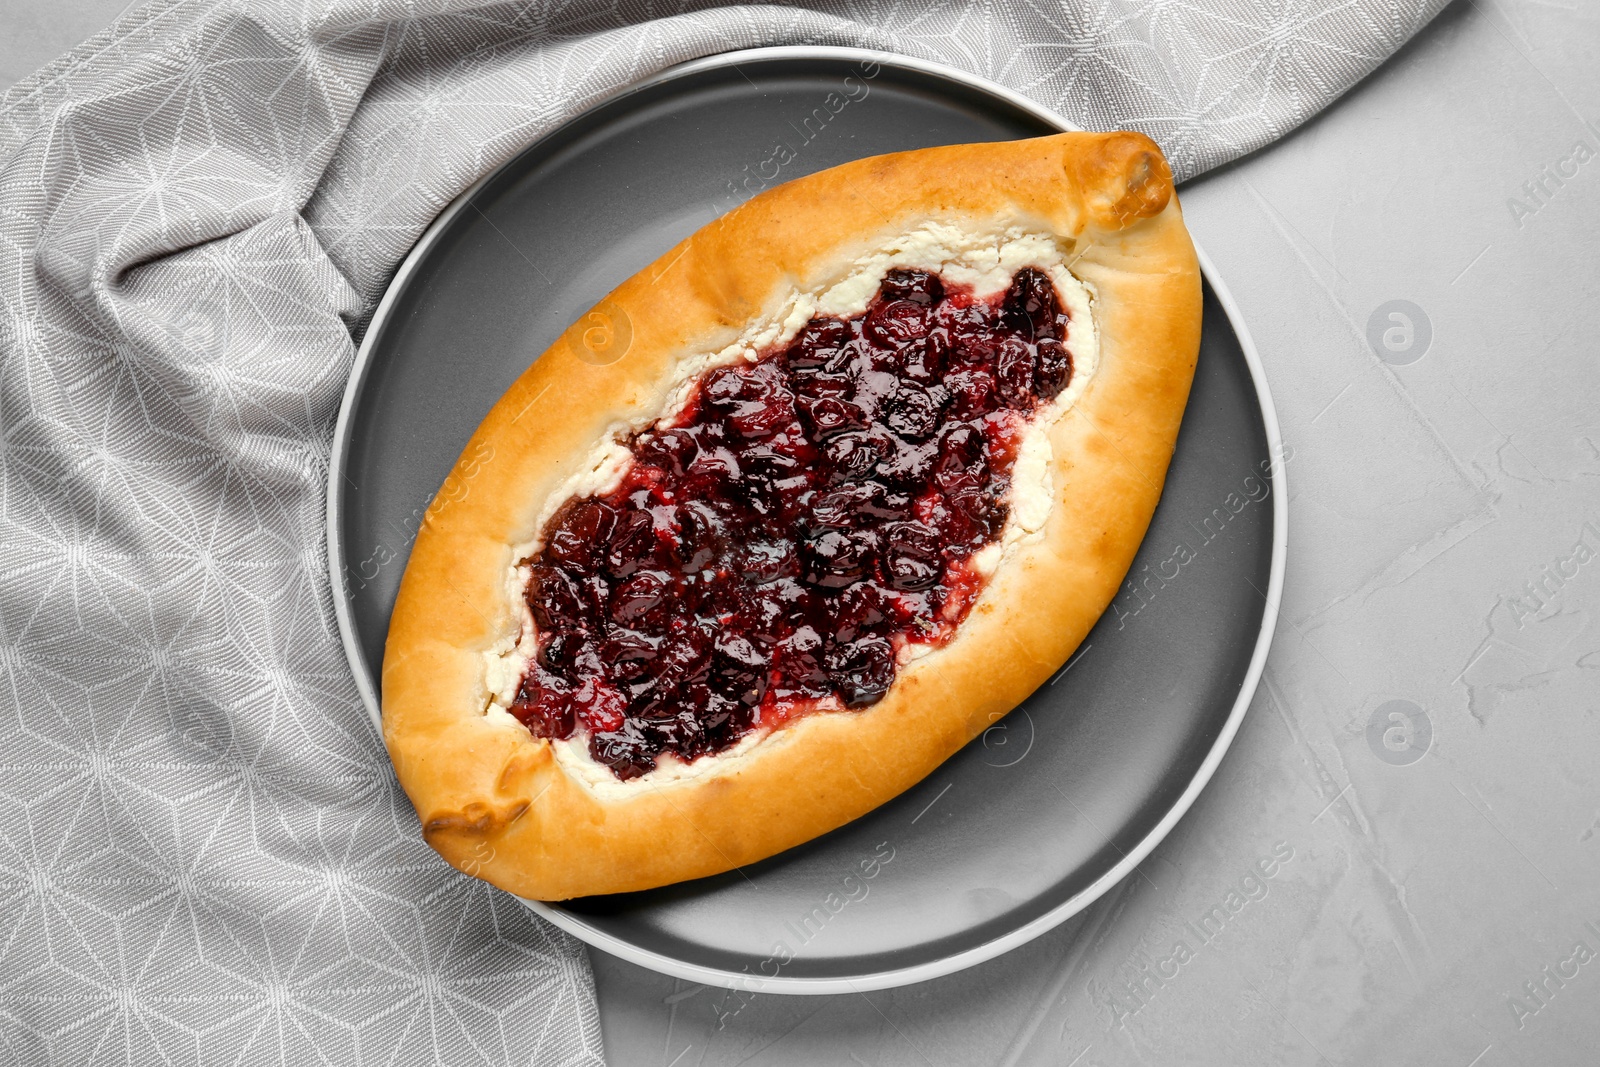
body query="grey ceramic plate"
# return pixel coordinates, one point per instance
(1052, 806)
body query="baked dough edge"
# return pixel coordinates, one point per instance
(494, 801)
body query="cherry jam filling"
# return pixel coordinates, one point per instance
(805, 517)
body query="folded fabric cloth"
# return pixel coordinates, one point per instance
(205, 856)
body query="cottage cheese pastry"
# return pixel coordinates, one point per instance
(793, 514)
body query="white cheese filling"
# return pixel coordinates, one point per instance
(984, 258)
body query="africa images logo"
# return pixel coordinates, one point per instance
(1399, 732)
(1141, 977)
(1545, 186)
(1141, 588)
(1399, 332)
(852, 888)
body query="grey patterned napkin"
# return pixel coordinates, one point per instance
(203, 854)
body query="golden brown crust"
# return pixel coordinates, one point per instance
(496, 802)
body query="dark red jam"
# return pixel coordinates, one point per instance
(779, 541)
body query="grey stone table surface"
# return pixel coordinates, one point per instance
(1399, 860)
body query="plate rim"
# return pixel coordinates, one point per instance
(958, 961)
